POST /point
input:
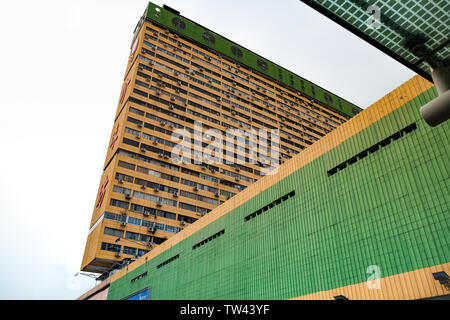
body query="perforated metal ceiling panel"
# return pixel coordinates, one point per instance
(402, 25)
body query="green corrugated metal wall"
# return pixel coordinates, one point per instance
(389, 209)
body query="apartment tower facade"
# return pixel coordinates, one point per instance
(185, 89)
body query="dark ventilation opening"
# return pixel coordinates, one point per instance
(270, 205)
(342, 166)
(383, 143)
(139, 277)
(362, 155)
(168, 261)
(171, 9)
(374, 148)
(352, 160)
(204, 241)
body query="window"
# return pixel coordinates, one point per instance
(141, 252)
(119, 203)
(113, 232)
(131, 142)
(110, 247)
(129, 250)
(131, 235)
(126, 165)
(124, 177)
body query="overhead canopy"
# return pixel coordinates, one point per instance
(414, 32)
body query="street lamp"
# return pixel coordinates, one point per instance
(90, 275)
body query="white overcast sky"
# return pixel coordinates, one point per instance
(62, 64)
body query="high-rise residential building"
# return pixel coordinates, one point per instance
(199, 119)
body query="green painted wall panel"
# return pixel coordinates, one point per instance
(389, 209)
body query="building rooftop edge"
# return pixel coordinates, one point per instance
(165, 17)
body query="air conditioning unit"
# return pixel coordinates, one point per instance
(158, 203)
(156, 189)
(182, 222)
(128, 196)
(139, 125)
(152, 229)
(143, 150)
(120, 180)
(171, 107)
(175, 195)
(160, 155)
(195, 188)
(123, 223)
(118, 254)
(146, 213)
(138, 136)
(237, 179)
(166, 156)
(172, 98)
(216, 194)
